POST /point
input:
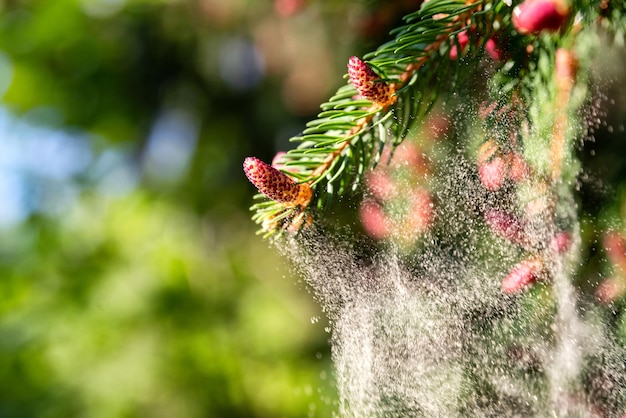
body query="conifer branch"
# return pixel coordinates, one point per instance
(395, 86)
(349, 134)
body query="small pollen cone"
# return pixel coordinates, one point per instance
(368, 83)
(518, 168)
(275, 184)
(525, 273)
(300, 221)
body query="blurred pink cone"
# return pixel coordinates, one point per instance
(534, 16)
(380, 185)
(525, 273)
(408, 154)
(493, 50)
(462, 40)
(374, 220)
(615, 247)
(561, 242)
(518, 168)
(610, 290)
(277, 161)
(421, 214)
(492, 173)
(505, 225)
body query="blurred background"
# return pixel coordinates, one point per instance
(131, 279)
(132, 283)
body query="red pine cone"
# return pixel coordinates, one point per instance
(368, 83)
(534, 16)
(275, 184)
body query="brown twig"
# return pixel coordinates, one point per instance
(565, 76)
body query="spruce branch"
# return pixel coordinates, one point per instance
(370, 112)
(397, 84)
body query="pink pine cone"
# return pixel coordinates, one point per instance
(277, 161)
(518, 168)
(615, 247)
(368, 83)
(374, 220)
(380, 185)
(534, 16)
(462, 40)
(610, 290)
(525, 273)
(493, 50)
(421, 215)
(561, 242)
(505, 225)
(275, 184)
(492, 174)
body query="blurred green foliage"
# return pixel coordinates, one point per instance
(134, 307)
